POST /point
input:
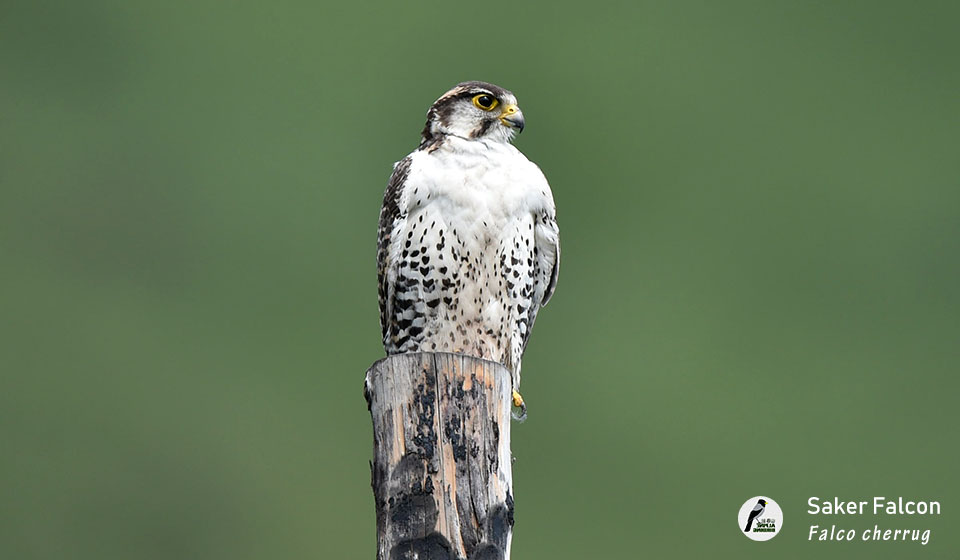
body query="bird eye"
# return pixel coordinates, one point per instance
(485, 101)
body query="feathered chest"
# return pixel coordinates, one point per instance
(476, 184)
(463, 262)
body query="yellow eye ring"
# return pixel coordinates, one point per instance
(485, 101)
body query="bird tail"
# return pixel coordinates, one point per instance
(749, 523)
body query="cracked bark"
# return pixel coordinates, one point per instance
(441, 471)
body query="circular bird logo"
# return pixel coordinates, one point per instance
(760, 518)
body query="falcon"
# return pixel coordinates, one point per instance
(468, 245)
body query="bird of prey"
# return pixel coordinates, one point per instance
(468, 245)
(757, 512)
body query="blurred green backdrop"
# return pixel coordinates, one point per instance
(760, 214)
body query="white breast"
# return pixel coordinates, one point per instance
(470, 265)
(473, 179)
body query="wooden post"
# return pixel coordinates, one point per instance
(441, 472)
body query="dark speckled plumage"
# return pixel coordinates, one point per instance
(468, 246)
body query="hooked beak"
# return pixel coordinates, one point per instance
(512, 117)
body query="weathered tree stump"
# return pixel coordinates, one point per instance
(441, 472)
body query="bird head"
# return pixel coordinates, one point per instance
(762, 502)
(474, 110)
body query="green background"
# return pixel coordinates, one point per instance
(760, 213)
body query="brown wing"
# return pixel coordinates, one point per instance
(390, 213)
(549, 244)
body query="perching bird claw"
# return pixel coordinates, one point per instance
(518, 402)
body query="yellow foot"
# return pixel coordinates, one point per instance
(518, 402)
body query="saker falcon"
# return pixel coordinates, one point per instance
(468, 246)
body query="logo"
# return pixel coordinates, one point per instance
(760, 518)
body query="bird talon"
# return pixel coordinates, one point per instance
(518, 402)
